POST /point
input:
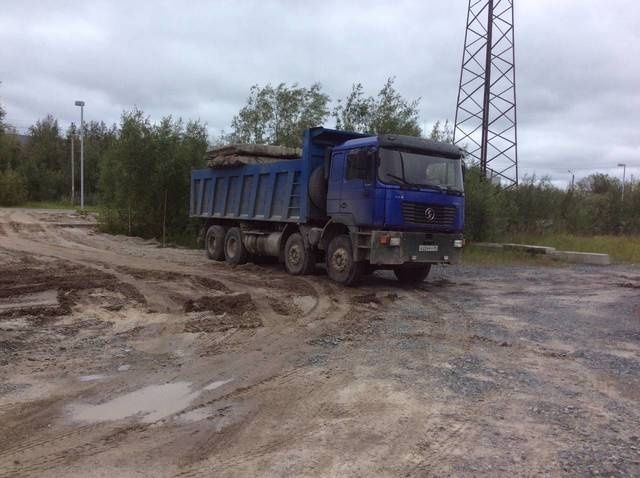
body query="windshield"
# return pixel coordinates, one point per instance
(421, 170)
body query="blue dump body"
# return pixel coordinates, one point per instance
(264, 192)
(356, 202)
(252, 192)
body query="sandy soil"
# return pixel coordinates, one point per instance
(120, 358)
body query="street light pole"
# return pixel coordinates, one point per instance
(73, 172)
(81, 105)
(624, 177)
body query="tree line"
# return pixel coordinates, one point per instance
(594, 206)
(137, 172)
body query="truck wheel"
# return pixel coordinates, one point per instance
(412, 275)
(298, 259)
(214, 242)
(234, 251)
(340, 264)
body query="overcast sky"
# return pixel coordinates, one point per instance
(578, 64)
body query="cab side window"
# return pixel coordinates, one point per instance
(360, 165)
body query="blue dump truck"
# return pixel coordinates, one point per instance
(355, 202)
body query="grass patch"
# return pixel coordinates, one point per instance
(619, 248)
(499, 257)
(48, 205)
(57, 205)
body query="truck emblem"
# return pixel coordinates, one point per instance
(430, 214)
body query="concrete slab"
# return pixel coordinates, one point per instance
(488, 245)
(531, 249)
(582, 257)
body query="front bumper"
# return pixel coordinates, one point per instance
(397, 248)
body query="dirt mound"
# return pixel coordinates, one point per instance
(283, 306)
(236, 304)
(365, 299)
(169, 276)
(24, 285)
(220, 323)
(227, 312)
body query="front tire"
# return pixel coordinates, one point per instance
(234, 251)
(412, 275)
(214, 242)
(298, 259)
(340, 264)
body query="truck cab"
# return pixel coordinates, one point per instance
(401, 196)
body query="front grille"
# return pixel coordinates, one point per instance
(417, 213)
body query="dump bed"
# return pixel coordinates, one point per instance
(276, 191)
(250, 192)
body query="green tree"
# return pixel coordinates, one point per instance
(13, 190)
(279, 115)
(98, 138)
(482, 206)
(9, 147)
(144, 176)
(442, 132)
(388, 112)
(44, 165)
(3, 113)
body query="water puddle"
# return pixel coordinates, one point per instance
(219, 383)
(150, 403)
(92, 378)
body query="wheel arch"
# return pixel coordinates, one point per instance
(335, 228)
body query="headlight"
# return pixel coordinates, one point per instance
(458, 243)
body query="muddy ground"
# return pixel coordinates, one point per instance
(120, 358)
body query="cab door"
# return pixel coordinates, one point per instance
(358, 186)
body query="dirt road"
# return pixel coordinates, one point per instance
(120, 358)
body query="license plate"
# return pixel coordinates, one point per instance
(427, 248)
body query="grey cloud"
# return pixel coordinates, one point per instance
(577, 66)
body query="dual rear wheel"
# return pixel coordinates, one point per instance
(225, 244)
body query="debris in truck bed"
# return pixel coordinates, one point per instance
(233, 155)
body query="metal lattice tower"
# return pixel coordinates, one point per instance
(486, 121)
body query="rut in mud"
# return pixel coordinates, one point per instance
(119, 357)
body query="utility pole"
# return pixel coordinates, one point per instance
(81, 105)
(486, 118)
(624, 177)
(73, 173)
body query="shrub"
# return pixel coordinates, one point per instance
(13, 190)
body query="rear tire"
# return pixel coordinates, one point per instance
(214, 242)
(412, 275)
(298, 259)
(234, 251)
(340, 264)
